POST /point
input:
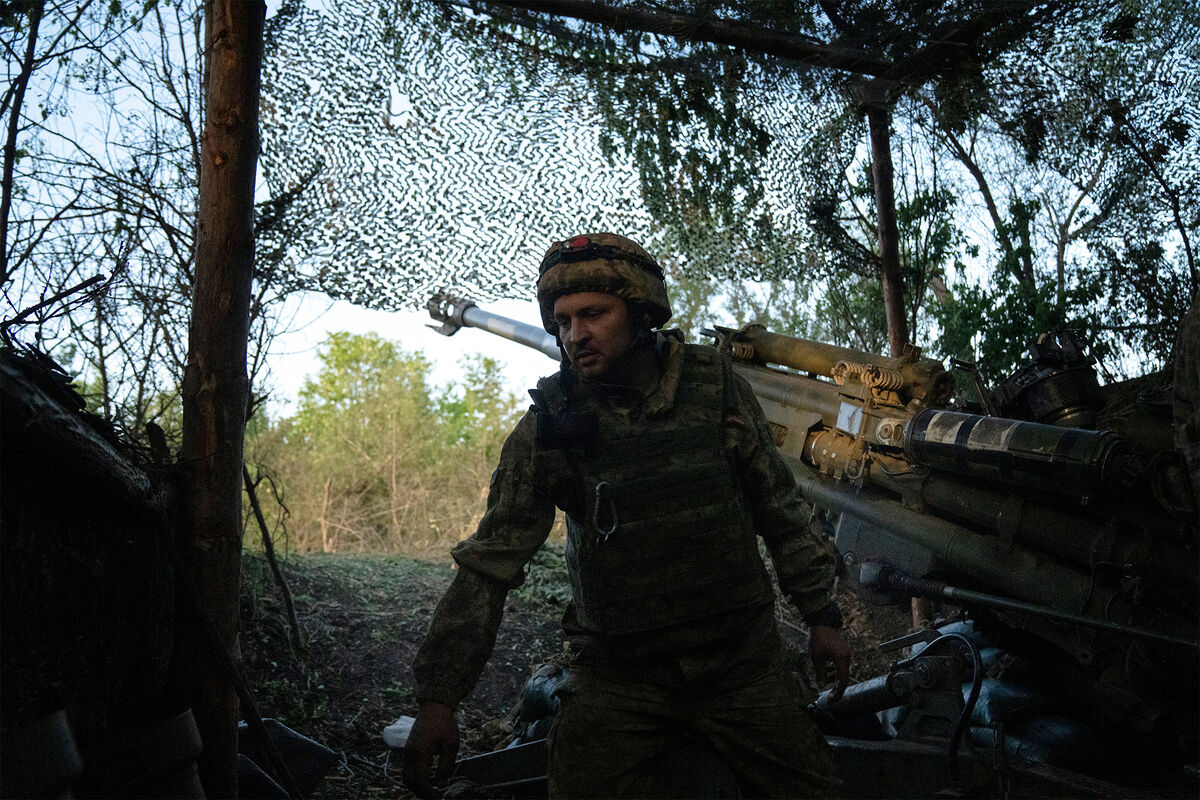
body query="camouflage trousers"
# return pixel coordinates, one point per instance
(617, 727)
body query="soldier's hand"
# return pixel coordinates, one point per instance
(434, 738)
(826, 645)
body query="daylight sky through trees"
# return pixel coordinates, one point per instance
(401, 164)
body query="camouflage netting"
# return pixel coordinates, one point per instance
(425, 179)
(416, 172)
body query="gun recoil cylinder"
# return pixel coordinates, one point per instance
(1064, 460)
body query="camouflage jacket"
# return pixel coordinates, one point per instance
(520, 514)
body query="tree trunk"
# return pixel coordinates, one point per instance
(215, 387)
(879, 125)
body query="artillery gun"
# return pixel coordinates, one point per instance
(1053, 513)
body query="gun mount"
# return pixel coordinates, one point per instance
(1073, 548)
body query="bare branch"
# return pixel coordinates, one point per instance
(685, 27)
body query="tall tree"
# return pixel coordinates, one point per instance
(216, 389)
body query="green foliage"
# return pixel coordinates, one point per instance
(377, 459)
(105, 177)
(162, 407)
(849, 309)
(1016, 313)
(691, 301)
(850, 313)
(546, 582)
(1092, 219)
(364, 381)
(477, 412)
(1094, 225)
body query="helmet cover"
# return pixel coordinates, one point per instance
(602, 262)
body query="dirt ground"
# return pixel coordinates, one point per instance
(362, 618)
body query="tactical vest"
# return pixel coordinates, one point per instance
(657, 532)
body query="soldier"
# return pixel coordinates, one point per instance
(667, 473)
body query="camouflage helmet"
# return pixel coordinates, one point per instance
(602, 262)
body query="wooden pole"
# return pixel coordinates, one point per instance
(879, 119)
(215, 386)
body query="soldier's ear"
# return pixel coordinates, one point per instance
(639, 318)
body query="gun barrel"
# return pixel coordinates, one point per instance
(925, 587)
(792, 396)
(512, 330)
(455, 313)
(800, 354)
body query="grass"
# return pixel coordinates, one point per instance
(362, 619)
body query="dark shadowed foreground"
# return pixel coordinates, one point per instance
(363, 618)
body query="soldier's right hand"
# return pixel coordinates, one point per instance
(431, 748)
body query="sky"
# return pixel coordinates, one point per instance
(313, 317)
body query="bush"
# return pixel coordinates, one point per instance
(546, 583)
(378, 460)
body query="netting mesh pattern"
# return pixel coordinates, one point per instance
(417, 175)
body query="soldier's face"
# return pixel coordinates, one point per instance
(595, 330)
